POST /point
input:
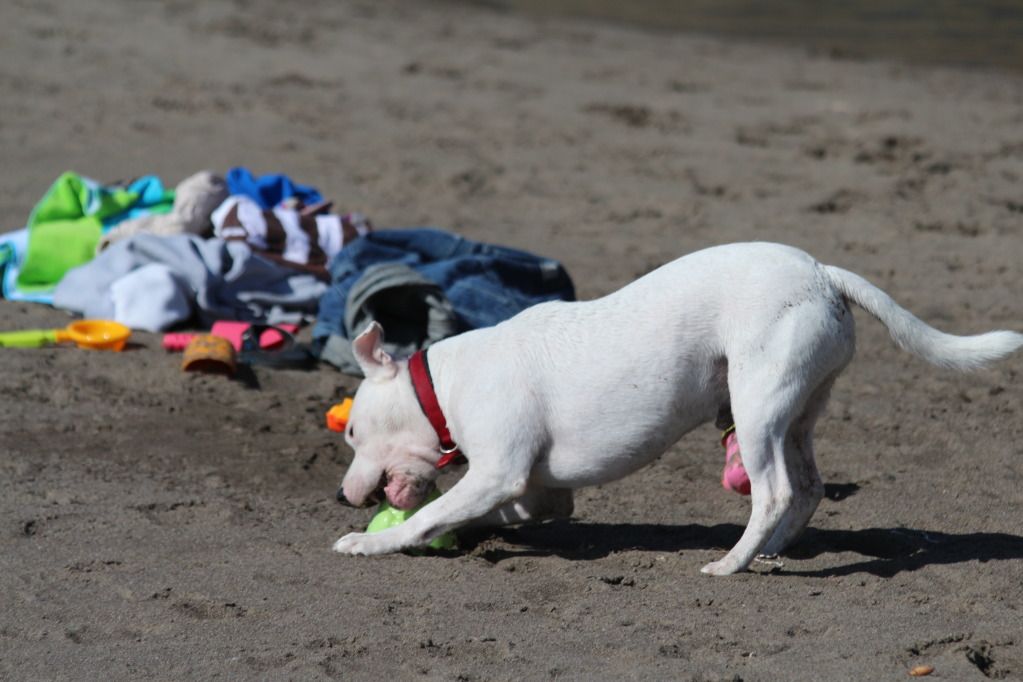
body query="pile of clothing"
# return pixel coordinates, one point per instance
(261, 249)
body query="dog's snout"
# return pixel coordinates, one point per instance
(342, 499)
(375, 497)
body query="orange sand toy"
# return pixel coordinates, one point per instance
(337, 416)
(210, 354)
(91, 334)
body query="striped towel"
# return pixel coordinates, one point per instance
(297, 236)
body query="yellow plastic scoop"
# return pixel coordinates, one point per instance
(92, 334)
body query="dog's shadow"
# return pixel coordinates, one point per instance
(886, 551)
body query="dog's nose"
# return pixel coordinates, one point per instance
(342, 499)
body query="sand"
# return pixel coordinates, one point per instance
(158, 525)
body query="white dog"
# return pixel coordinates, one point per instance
(566, 395)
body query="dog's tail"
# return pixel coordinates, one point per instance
(963, 353)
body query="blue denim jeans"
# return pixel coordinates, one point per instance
(484, 283)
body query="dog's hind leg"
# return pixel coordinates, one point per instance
(803, 473)
(769, 392)
(762, 441)
(537, 504)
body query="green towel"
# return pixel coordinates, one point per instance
(65, 227)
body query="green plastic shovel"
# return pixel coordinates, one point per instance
(94, 334)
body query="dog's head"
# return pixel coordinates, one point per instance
(395, 446)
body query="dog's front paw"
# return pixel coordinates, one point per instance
(365, 544)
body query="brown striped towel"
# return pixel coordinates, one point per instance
(303, 238)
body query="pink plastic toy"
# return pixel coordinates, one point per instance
(734, 476)
(232, 331)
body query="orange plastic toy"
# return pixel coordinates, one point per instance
(92, 334)
(337, 416)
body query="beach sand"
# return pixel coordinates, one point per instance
(171, 526)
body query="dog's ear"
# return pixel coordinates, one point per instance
(369, 352)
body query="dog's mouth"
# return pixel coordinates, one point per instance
(378, 494)
(401, 491)
(405, 491)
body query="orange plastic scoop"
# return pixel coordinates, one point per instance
(92, 334)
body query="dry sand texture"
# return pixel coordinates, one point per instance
(158, 525)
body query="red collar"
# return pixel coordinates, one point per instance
(422, 384)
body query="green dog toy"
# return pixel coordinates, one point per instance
(388, 517)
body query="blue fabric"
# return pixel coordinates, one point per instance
(151, 193)
(486, 284)
(269, 190)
